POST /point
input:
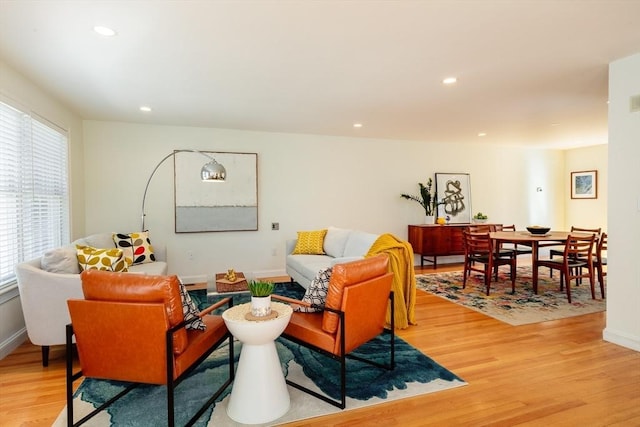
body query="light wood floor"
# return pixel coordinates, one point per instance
(546, 374)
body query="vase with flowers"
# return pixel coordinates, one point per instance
(260, 297)
(426, 199)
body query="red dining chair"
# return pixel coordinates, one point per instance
(576, 258)
(559, 252)
(479, 248)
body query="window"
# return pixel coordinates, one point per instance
(34, 194)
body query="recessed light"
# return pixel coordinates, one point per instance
(449, 80)
(357, 125)
(145, 108)
(104, 31)
(482, 134)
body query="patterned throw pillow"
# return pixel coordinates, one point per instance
(136, 247)
(317, 291)
(90, 258)
(310, 242)
(190, 311)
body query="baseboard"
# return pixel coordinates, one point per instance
(13, 342)
(622, 339)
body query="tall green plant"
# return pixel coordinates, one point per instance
(427, 200)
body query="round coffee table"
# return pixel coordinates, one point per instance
(259, 392)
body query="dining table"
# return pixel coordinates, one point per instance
(535, 241)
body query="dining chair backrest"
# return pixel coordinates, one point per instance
(510, 227)
(480, 228)
(595, 231)
(477, 244)
(579, 246)
(602, 247)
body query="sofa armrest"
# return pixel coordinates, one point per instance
(44, 296)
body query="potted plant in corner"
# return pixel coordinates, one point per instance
(260, 297)
(427, 200)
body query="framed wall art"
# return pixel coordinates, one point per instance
(584, 185)
(231, 205)
(454, 197)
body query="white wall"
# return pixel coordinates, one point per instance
(20, 92)
(305, 182)
(623, 293)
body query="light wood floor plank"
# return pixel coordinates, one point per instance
(553, 373)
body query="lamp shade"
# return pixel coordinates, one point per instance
(213, 172)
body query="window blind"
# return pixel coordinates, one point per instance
(34, 189)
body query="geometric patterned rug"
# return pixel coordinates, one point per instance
(520, 308)
(145, 406)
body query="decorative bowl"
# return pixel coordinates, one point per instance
(536, 229)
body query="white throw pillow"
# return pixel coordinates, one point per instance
(359, 243)
(60, 260)
(335, 240)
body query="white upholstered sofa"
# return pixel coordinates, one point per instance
(340, 245)
(46, 283)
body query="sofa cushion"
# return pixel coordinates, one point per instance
(99, 240)
(310, 242)
(108, 259)
(308, 265)
(335, 241)
(317, 291)
(136, 247)
(158, 268)
(358, 243)
(61, 260)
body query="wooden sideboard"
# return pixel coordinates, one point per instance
(431, 240)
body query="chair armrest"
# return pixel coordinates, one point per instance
(219, 304)
(290, 300)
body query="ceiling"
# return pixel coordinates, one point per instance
(529, 72)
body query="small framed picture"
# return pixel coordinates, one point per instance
(584, 185)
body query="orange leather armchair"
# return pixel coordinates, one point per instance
(354, 313)
(131, 328)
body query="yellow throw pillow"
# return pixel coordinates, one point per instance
(91, 258)
(310, 242)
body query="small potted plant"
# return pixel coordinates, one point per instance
(480, 218)
(427, 200)
(260, 297)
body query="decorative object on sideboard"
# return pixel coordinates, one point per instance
(212, 171)
(261, 297)
(426, 199)
(480, 218)
(453, 191)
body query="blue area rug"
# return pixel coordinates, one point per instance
(415, 374)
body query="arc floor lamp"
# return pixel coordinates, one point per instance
(212, 171)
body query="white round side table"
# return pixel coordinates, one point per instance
(259, 393)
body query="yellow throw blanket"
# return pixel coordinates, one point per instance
(400, 255)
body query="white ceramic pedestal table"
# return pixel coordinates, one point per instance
(259, 392)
